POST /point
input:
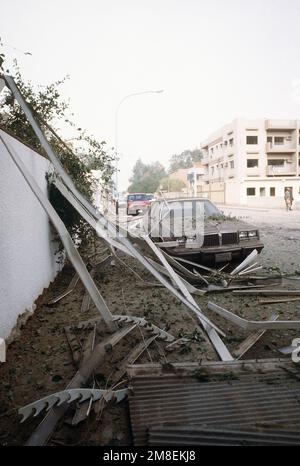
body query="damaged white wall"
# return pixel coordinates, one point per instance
(27, 250)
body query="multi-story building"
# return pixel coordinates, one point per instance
(180, 175)
(251, 162)
(195, 176)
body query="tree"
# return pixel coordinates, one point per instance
(85, 154)
(186, 159)
(171, 184)
(146, 177)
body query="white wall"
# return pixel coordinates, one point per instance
(27, 261)
(236, 193)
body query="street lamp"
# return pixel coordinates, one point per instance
(116, 131)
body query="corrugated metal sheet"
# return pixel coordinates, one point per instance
(192, 435)
(265, 396)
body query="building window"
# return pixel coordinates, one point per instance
(278, 140)
(252, 163)
(251, 191)
(272, 192)
(231, 142)
(231, 164)
(278, 162)
(262, 192)
(252, 139)
(269, 139)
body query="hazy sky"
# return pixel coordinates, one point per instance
(215, 59)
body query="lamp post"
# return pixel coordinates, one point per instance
(116, 135)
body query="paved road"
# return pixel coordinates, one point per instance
(279, 230)
(290, 219)
(280, 233)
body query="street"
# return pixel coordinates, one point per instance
(280, 233)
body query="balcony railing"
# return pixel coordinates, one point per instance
(252, 171)
(280, 148)
(229, 149)
(287, 169)
(281, 124)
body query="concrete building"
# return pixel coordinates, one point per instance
(251, 162)
(180, 174)
(195, 180)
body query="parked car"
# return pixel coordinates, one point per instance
(138, 202)
(216, 239)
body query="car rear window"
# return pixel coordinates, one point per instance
(139, 197)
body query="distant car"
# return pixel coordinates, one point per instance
(138, 202)
(217, 239)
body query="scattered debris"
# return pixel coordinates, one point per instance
(82, 411)
(230, 390)
(242, 349)
(251, 324)
(208, 326)
(275, 301)
(245, 272)
(188, 285)
(74, 345)
(71, 287)
(243, 393)
(46, 427)
(199, 266)
(249, 259)
(269, 292)
(69, 396)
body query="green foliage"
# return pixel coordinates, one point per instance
(146, 177)
(85, 154)
(171, 185)
(186, 159)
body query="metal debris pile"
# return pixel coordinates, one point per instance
(180, 277)
(233, 403)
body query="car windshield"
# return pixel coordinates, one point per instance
(191, 208)
(183, 215)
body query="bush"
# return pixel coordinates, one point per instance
(86, 154)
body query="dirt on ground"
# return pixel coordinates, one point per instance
(40, 362)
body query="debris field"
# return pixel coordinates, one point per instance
(122, 308)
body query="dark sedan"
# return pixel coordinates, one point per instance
(196, 230)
